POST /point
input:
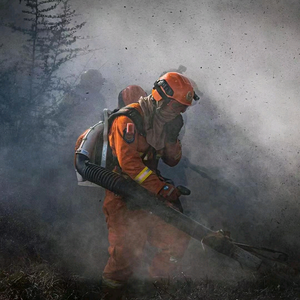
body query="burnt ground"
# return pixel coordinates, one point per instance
(33, 280)
(32, 268)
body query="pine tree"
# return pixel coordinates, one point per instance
(50, 43)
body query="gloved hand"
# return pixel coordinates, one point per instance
(171, 194)
(173, 128)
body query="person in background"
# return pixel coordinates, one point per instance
(138, 155)
(83, 104)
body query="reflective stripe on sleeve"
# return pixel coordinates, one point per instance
(143, 175)
(178, 155)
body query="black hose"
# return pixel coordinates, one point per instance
(139, 197)
(101, 176)
(127, 188)
(136, 195)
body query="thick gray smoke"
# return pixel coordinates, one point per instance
(244, 58)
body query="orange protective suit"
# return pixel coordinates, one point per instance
(129, 230)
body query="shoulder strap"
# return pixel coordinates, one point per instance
(131, 113)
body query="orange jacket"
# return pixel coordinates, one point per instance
(136, 157)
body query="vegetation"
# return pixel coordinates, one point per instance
(32, 269)
(30, 84)
(43, 281)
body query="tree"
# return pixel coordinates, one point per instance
(32, 86)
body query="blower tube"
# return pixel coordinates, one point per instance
(108, 180)
(137, 196)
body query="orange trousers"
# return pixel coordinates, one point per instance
(128, 232)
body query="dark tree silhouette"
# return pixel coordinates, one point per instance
(31, 87)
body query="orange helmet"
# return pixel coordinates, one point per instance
(130, 94)
(173, 85)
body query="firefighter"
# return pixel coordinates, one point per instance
(137, 155)
(83, 99)
(181, 169)
(80, 108)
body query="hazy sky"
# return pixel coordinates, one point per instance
(243, 55)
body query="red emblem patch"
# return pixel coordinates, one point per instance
(129, 133)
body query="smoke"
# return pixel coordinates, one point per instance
(244, 58)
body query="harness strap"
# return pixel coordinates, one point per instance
(131, 113)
